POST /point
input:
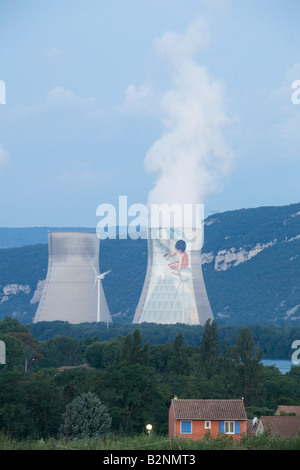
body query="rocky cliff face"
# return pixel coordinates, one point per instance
(251, 264)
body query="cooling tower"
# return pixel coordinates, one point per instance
(72, 291)
(174, 289)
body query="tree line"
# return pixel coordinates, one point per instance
(135, 380)
(275, 341)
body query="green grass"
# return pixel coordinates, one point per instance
(153, 442)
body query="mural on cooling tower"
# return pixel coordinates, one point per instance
(168, 295)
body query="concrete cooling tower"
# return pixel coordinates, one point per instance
(174, 289)
(73, 289)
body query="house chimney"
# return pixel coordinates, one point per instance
(175, 397)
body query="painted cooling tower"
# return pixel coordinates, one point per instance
(174, 289)
(73, 287)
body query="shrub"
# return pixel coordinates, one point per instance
(86, 417)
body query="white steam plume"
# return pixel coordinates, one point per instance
(191, 158)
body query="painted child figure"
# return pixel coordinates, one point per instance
(183, 260)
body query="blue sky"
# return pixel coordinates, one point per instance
(101, 94)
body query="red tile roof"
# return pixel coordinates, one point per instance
(251, 427)
(288, 409)
(285, 426)
(209, 409)
(84, 366)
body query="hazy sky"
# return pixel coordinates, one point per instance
(106, 98)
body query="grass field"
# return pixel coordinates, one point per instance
(153, 442)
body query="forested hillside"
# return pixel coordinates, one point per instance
(250, 258)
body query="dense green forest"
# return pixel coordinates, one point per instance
(133, 378)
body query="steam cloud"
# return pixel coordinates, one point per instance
(192, 157)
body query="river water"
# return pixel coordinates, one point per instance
(284, 365)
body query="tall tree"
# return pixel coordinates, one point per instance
(209, 349)
(133, 395)
(247, 360)
(180, 361)
(61, 351)
(10, 325)
(102, 354)
(132, 351)
(32, 352)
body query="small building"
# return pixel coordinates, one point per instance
(287, 410)
(194, 419)
(284, 426)
(81, 366)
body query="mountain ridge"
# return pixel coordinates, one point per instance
(250, 260)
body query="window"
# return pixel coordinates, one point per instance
(207, 425)
(186, 427)
(229, 427)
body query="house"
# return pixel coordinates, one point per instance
(284, 426)
(287, 410)
(194, 419)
